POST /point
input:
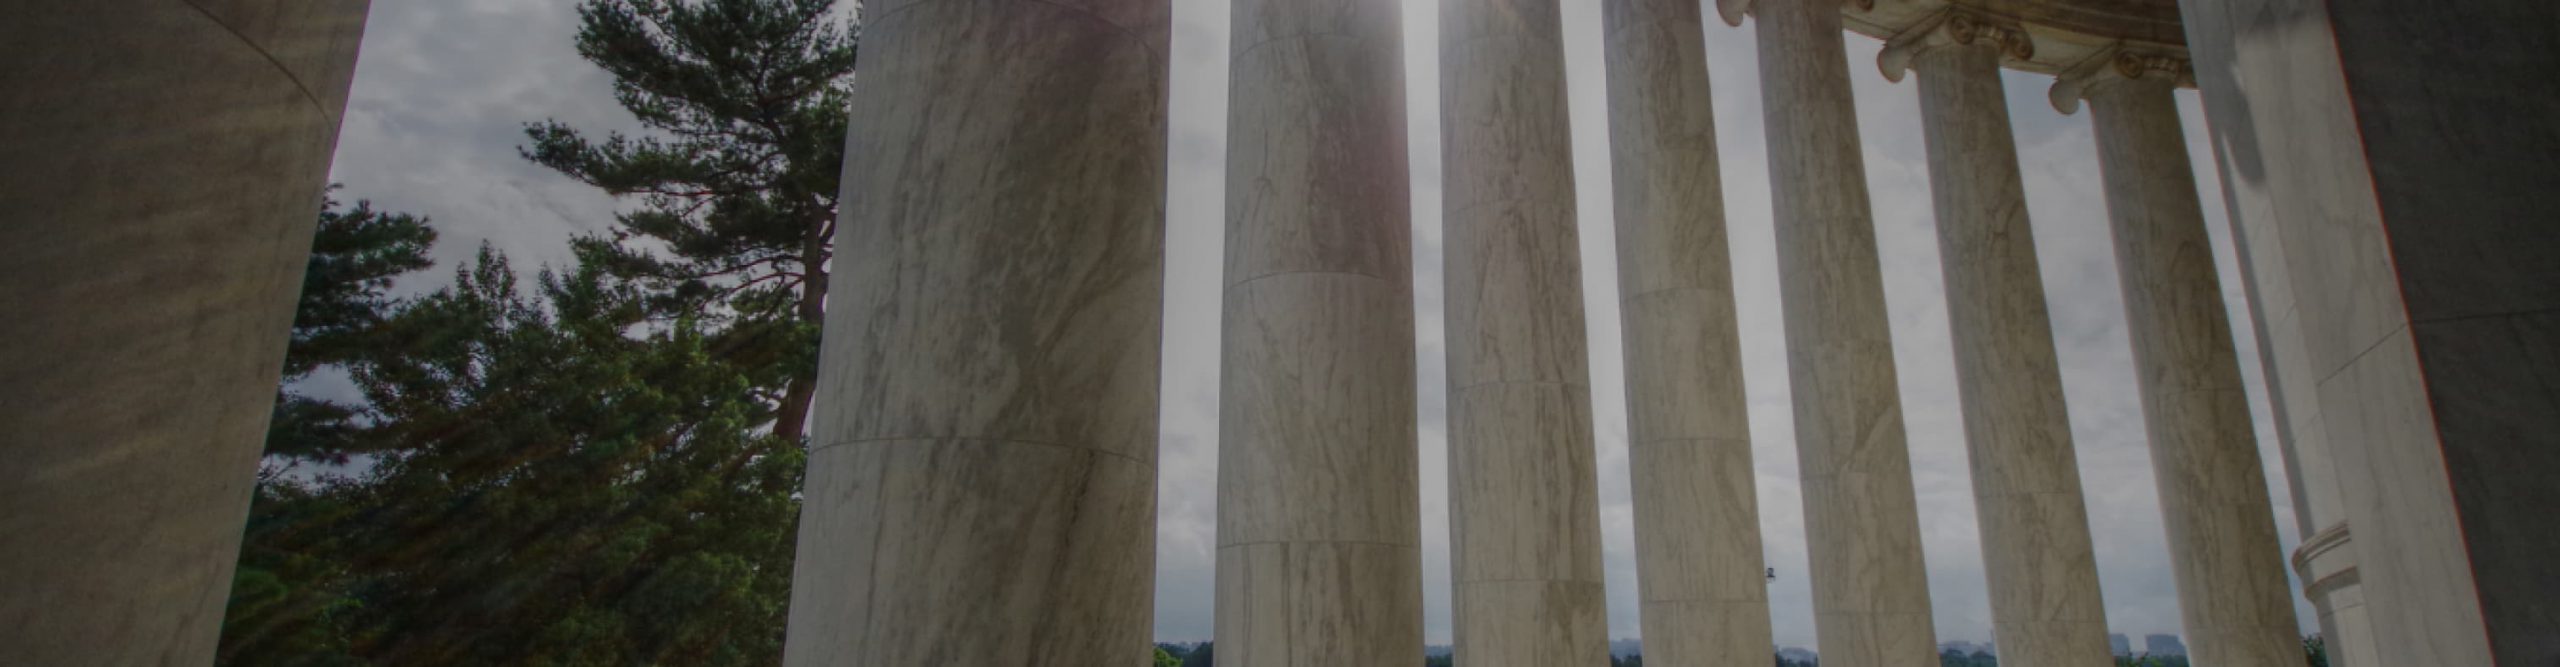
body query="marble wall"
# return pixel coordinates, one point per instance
(2391, 164)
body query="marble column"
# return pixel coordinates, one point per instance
(1698, 560)
(2232, 593)
(981, 484)
(1524, 497)
(1870, 587)
(1319, 526)
(161, 166)
(2043, 571)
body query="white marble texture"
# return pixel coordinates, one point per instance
(1524, 497)
(1870, 587)
(2232, 592)
(2045, 603)
(161, 166)
(981, 481)
(1319, 526)
(1698, 551)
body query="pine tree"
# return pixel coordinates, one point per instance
(550, 477)
(355, 255)
(737, 177)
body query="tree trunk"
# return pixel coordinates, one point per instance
(791, 419)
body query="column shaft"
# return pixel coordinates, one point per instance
(2045, 603)
(981, 485)
(1698, 558)
(1870, 587)
(161, 166)
(1524, 497)
(1319, 527)
(2204, 452)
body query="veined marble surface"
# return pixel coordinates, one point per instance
(1862, 525)
(1700, 574)
(1319, 528)
(1524, 496)
(2233, 597)
(981, 487)
(2043, 571)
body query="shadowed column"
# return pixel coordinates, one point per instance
(981, 485)
(1524, 508)
(2043, 573)
(2232, 594)
(1319, 525)
(161, 168)
(1862, 524)
(1704, 597)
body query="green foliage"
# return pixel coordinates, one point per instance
(1957, 658)
(552, 478)
(2315, 650)
(737, 179)
(355, 255)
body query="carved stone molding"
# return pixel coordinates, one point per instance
(1952, 27)
(1734, 10)
(2122, 63)
(2324, 564)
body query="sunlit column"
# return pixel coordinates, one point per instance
(2043, 572)
(981, 485)
(1698, 559)
(160, 172)
(1870, 587)
(2204, 452)
(1524, 497)
(1319, 528)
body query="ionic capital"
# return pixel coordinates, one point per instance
(1734, 10)
(2121, 63)
(1952, 27)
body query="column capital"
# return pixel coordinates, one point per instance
(1734, 10)
(2118, 64)
(1952, 27)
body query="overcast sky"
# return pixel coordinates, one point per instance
(444, 86)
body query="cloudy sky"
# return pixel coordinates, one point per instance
(444, 86)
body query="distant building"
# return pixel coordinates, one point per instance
(2119, 645)
(1965, 647)
(2164, 645)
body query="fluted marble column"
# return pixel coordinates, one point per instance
(1524, 497)
(1870, 587)
(1698, 560)
(161, 166)
(981, 485)
(1319, 528)
(2045, 603)
(2232, 594)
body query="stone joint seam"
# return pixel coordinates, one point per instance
(1626, 298)
(1239, 55)
(298, 84)
(1372, 543)
(1232, 287)
(831, 444)
(1611, 35)
(1538, 580)
(1457, 390)
(1470, 207)
(1125, 31)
